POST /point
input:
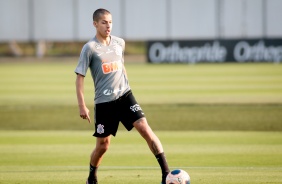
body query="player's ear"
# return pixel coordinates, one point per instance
(95, 24)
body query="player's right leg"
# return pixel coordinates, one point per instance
(106, 124)
(102, 145)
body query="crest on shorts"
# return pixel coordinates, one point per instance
(100, 129)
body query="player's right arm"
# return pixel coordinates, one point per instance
(83, 110)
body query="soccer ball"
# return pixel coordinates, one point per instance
(178, 176)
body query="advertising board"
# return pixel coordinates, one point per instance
(215, 51)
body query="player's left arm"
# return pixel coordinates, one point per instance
(124, 70)
(123, 67)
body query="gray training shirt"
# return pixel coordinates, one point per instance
(106, 65)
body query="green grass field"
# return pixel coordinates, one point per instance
(220, 122)
(34, 157)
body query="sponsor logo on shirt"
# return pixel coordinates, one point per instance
(109, 51)
(111, 67)
(108, 92)
(98, 46)
(116, 48)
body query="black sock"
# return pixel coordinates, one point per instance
(92, 178)
(163, 164)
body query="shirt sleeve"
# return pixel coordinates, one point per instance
(84, 61)
(123, 49)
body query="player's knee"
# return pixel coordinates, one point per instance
(143, 128)
(101, 150)
(102, 146)
(141, 124)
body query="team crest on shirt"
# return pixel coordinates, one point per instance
(100, 129)
(118, 50)
(115, 42)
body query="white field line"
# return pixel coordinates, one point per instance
(85, 168)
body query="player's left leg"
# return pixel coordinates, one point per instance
(131, 115)
(154, 144)
(146, 132)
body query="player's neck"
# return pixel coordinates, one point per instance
(103, 40)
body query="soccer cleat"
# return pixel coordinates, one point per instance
(164, 178)
(94, 182)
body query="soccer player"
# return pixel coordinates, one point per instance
(114, 101)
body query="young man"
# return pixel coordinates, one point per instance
(114, 101)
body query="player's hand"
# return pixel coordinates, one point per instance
(84, 113)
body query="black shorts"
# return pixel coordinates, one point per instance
(108, 115)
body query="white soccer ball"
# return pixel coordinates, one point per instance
(178, 176)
